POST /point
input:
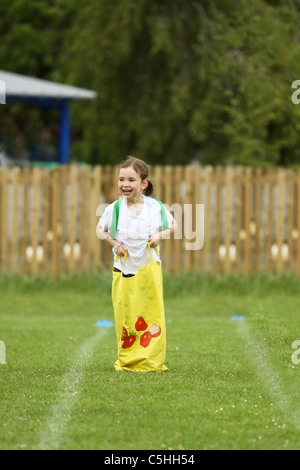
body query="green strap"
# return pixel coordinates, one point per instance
(115, 219)
(116, 212)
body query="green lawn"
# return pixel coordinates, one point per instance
(230, 384)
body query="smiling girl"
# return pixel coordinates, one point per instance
(142, 223)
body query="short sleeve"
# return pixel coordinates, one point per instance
(105, 220)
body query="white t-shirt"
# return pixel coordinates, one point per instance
(134, 231)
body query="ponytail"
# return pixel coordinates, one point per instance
(149, 190)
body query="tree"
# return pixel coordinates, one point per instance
(179, 80)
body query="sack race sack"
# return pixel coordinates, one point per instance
(140, 319)
(139, 311)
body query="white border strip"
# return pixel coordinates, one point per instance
(69, 389)
(268, 375)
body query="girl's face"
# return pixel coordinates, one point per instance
(130, 184)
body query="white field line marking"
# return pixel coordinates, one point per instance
(69, 389)
(268, 375)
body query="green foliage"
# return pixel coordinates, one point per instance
(31, 35)
(176, 80)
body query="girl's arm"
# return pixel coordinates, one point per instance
(156, 238)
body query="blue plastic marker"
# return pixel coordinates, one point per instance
(104, 324)
(238, 318)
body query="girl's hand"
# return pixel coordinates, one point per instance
(155, 239)
(122, 250)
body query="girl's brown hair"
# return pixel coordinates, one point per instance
(142, 169)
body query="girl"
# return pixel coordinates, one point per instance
(134, 226)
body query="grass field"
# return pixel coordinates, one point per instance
(230, 384)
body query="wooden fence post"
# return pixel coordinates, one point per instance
(15, 218)
(248, 194)
(35, 219)
(3, 227)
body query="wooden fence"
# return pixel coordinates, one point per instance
(251, 218)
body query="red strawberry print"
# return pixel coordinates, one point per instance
(128, 341)
(145, 339)
(141, 325)
(124, 333)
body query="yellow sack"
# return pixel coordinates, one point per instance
(140, 319)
